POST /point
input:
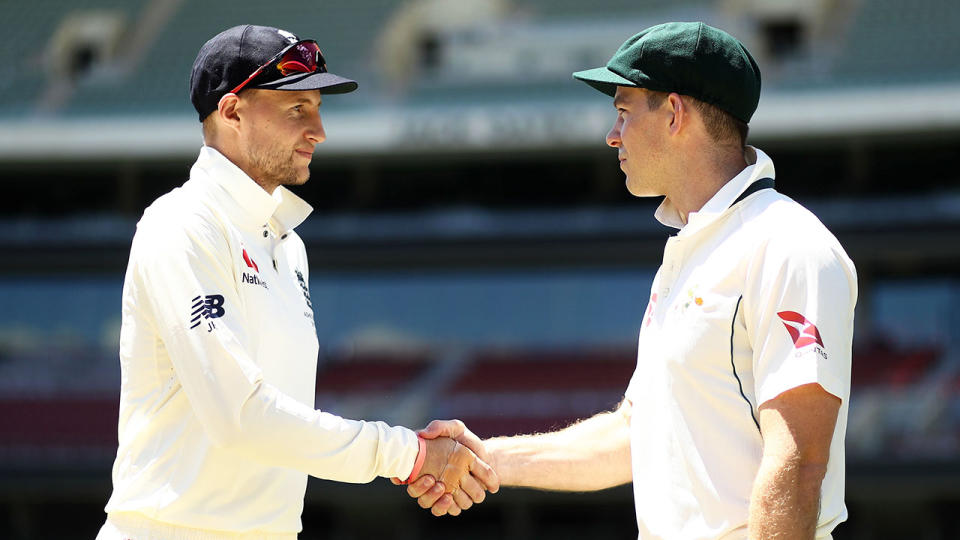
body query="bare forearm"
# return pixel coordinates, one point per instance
(785, 502)
(588, 456)
(797, 429)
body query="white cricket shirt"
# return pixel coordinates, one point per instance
(218, 357)
(752, 299)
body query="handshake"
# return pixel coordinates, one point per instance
(455, 472)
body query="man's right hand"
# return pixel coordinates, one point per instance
(436, 496)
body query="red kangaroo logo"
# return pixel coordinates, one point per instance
(801, 330)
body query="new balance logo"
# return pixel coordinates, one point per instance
(206, 307)
(800, 329)
(249, 260)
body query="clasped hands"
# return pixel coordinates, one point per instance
(456, 471)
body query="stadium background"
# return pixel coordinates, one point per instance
(473, 252)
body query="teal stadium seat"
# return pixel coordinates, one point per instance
(885, 42)
(895, 42)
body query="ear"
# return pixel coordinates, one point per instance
(228, 111)
(679, 114)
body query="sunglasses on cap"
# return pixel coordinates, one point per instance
(301, 57)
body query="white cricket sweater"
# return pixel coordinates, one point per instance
(218, 354)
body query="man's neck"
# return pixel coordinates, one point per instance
(234, 155)
(703, 181)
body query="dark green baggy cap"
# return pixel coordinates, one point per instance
(689, 58)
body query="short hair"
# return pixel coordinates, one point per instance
(722, 127)
(209, 126)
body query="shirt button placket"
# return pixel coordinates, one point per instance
(672, 264)
(276, 248)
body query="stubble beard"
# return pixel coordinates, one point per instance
(274, 170)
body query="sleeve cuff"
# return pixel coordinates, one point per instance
(418, 464)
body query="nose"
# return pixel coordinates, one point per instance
(613, 136)
(315, 132)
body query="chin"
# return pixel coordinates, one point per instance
(635, 190)
(300, 179)
(639, 190)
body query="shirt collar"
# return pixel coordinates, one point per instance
(759, 165)
(244, 199)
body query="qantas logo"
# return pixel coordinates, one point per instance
(801, 330)
(249, 260)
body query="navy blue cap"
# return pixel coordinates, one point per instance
(234, 54)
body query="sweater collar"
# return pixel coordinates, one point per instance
(244, 199)
(759, 165)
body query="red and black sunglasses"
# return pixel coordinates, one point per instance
(300, 57)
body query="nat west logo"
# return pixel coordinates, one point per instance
(206, 307)
(253, 279)
(801, 330)
(250, 262)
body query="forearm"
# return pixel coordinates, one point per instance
(591, 455)
(785, 502)
(797, 429)
(275, 429)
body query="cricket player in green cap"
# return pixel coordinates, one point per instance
(733, 423)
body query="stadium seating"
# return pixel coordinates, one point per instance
(548, 370)
(496, 391)
(873, 51)
(883, 364)
(59, 423)
(529, 390)
(878, 50)
(369, 373)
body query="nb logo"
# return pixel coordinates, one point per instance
(206, 307)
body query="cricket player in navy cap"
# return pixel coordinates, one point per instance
(218, 350)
